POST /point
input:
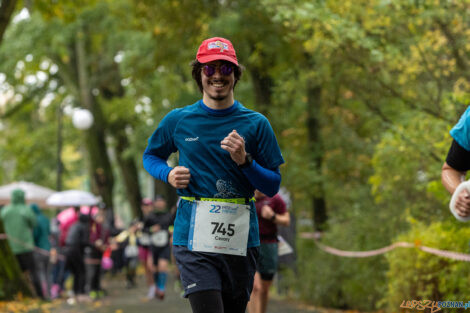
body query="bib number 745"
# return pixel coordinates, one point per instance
(221, 229)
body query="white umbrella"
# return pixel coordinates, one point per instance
(72, 198)
(33, 193)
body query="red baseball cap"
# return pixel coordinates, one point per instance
(216, 48)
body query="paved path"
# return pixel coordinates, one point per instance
(122, 300)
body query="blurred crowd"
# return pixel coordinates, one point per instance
(82, 243)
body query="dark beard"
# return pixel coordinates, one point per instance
(218, 98)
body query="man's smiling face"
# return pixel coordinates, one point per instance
(218, 87)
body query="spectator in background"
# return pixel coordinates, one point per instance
(157, 224)
(271, 212)
(287, 250)
(57, 260)
(41, 234)
(61, 226)
(65, 224)
(19, 221)
(113, 256)
(128, 240)
(145, 255)
(75, 243)
(99, 236)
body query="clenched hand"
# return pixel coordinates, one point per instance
(235, 145)
(179, 177)
(462, 205)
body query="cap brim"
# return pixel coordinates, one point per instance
(210, 58)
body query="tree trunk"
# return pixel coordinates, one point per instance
(262, 84)
(102, 178)
(12, 280)
(316, 153)
(129, 173)
(109, 84)
(7, 7)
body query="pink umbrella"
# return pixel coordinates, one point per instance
(86, 210)
(67, 215)
(66, 218)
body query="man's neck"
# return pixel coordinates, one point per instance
(218, 104)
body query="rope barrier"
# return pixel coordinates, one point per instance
(316, 237)
(364, 254)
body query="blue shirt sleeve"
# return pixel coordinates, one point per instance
(265, 180)
(156, 166)
(461, 131)
(264, 173)
(268, 154)
(160, 146)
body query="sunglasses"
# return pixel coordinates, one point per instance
(224, 69)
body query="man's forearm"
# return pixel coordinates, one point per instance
(282, 219)
(451, 178)
(156, 166)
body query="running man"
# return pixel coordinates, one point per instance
(457, 163)
(226, 151)
(271, 212)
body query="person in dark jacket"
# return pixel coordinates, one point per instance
(99, 236)
(41, 235)
(75, 243)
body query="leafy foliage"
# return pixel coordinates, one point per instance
(414, 274)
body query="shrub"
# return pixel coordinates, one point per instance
(416, 275)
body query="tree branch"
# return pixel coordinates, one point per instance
(6, 11)
(409, 102)
(461, 64)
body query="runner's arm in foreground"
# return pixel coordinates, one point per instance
(453, 173)
(458, 163)
(178, 177)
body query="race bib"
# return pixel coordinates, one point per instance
(160, 238)
(219, 227)
(131, 251)
(144, 239)
(283, 247)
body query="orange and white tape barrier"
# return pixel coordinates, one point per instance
(364, 254)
